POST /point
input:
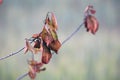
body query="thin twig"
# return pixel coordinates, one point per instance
(77, 29)
(22, 76)
(73, 33)
(12, 54)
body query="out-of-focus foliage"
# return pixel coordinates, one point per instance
(84, 57)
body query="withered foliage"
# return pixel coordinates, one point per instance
(91, 23)
(34, 68)
(47, 40)
(44, 42)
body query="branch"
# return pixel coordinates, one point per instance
(73, 33)
(68, 38)
(64, 41)
(12, 54)
(22, 76)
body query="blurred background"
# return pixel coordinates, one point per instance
(83, 57)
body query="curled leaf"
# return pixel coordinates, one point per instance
(46, 36)
(34, 67)
(35, 35)
(46, 54)
(54, 21)
(89, 10)
(29, 47)
(55, 45)
(51, 21)
(53, 34)
(38, 45)
(34, 49)
(31, 73)
(91, 24)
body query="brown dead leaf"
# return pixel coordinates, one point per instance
(54, 21)
(34, 67)
(46, 54)
(55, 45)
(91, 24)
(29, 47)
(46, 36)
(51, 21)
(35, 35)
(89, 10)
(31, 73)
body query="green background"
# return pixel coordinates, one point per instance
(83, 57)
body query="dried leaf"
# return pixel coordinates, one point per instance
(31, 73)
(53, 34)
(51, 21)
(48, 19)
(29, 47)
(35, 35)
(32, 70)
(37, 43)
(34, 49)
(55, 45)
(54, 21)
(34, 67)
(91, 24)
(46, 36)
(46, 54)
(92, 11)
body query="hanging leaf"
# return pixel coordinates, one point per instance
(31, 73)
(91, 24)
(34, 67)
(35, 35)
(38, 45)
(46, 36)
(46, 54)
(34, 49)
(29, 47)
(48, 19)
(51, 21)
(92, 11)
(89, 10)
(55, 45)
(54, 22)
